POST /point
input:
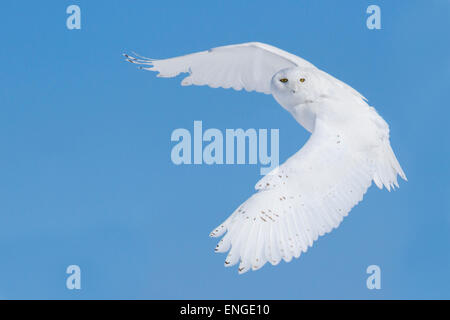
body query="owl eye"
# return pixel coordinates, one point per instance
(284, 80)
(302, 79)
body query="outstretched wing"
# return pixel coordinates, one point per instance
(248, 66)
(304, 198)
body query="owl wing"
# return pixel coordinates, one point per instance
(303, 199)
(248, 66)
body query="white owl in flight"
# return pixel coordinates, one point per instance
(309, 194)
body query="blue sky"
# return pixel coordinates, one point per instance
(86, 176)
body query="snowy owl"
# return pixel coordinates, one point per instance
(309, 194)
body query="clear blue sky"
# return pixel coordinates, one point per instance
(86, 176)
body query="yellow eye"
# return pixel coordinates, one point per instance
(284, 80)
(302, 79)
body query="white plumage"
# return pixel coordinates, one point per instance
(313, 190)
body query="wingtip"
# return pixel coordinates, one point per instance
(217, 232)
(242, 270)
(138, 60)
